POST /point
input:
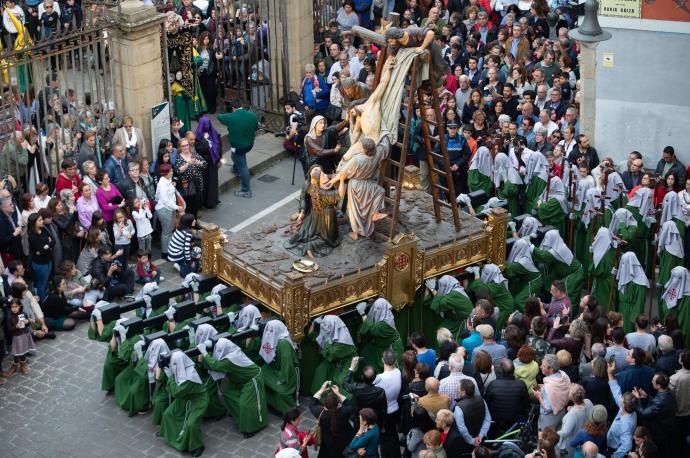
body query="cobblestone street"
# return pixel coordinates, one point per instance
(59, 410)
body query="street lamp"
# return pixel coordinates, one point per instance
(588, 35)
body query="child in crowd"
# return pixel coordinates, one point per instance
(93, 294)
(42, 196)
(123, 230)
(22, 343)
(142, 217)
(146, 269)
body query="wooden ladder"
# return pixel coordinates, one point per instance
(392, 174)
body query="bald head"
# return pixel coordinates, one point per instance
(590, 450)
(431, 385)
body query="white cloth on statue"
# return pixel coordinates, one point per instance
(630, 270)
(670, 240)
(182, 368)
(382, 310)
(312, 127)
(522, 254)
(505, 170)
(447, 284)
(670, 208)
(555, 190)
(602, 243)
(554, 244)
(226, 349)
(677, 287)
(482, 162)
(642, 199)
(530, 226)
(274, 332)
(333, 330)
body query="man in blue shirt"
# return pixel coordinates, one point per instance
(424, 355)
(315, 91)
(620, 435)
(637, 374)
(116, 166)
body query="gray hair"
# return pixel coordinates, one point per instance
(85, 166)
(134, 165)
(456, 362)
(551, 361)
(389, 357)
(598, 349)
(66, 194)
(578, 329)
(309, 68)
(665, 343)
(482, 14)
(571, 110)
(4, 201)
(541, 130)
(348, 82)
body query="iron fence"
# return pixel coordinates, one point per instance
(56, 85)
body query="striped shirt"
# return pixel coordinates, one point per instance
(180, 246)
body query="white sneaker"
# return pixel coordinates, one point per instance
(161, 278)
(176, 266)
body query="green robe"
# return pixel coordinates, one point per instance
(583, 236)
(535, 188)
(244, 394)
(667, 262)
(573, 275)
(502, 298)
(132, 389)
(107, 333)
(522, 283)
(631, 303)
(280, 377)
(181, 423)
(456, 308)
(216, 407)
(509, 191)
(161, 399)
(334, 366)
(319, 230)
(374, 339)
(117, 361)
(602, 280)
(640, 243)
(478, 182)
(550, 213)
(682, 312)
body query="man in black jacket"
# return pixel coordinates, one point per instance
(472, 417)
(10, 242)
(659, 412)
(584, 152)
(133, 186)
(117, 279)
(366, 394)
(669, 163)
(667, 362)
(507, 398)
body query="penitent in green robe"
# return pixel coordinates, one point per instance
(584, 238)
(640, 243)
(132, 389)
(535, 188)
(280, 377)
(602, 280)
(334, 366)
(244, 393)
(107, 333)
(550, 213)
(374, 339)
(573, 275)
(456, 308)
(181, 423)
(502, 298)
(509, 191)
(682, 312)
(161, 399)
(117, 361)
(216, 406)
(631, 303)
(522, 283)
(667, 262)
(478, 182)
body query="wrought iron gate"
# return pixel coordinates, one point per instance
(55, 87)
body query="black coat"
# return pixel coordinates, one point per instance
(332, 445)
(668, 363)
(508, 400)
(658, 413)
(9, 243)
(366, 395)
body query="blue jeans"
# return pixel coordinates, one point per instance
(41, 276)
(239, 159)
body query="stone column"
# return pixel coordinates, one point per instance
(136, 56)
(588, 90)
(292, 40)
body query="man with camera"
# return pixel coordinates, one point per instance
(294, 134)
(117, 279)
